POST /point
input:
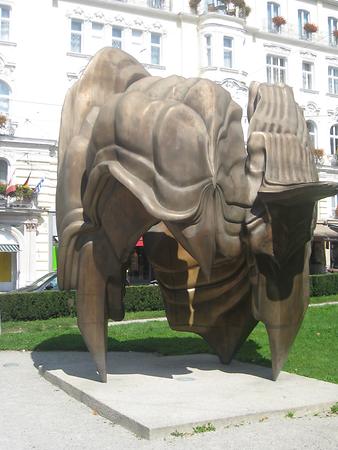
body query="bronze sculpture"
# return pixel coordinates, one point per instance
(227, 228)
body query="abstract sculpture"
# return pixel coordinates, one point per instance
(227, 228)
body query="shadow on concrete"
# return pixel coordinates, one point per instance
(142, 356)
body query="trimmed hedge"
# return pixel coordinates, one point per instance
(47, 304)
(323, 284)
(143, 298)
(37, 305)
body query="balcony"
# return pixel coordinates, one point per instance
(291, 31)
(321, 158)
(19, 201)
(236, 8)
(7, 126)
(163, 5)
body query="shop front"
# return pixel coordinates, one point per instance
(139, 270)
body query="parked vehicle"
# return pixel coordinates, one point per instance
(47, 282)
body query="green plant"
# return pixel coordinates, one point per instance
(143, 298)
(244, 12)
(3, 189)
(323, 284)
(178, 434)
(23, 192)
(334, 408)
(239, 3)
(290, 415)
(37, 305)
(47, 304)
(204, 428)
(194, 4)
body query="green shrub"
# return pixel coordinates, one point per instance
(324, 284)
(143, 298)
(37, 305)
(48, 304)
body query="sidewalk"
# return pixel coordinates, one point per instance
(35, 414)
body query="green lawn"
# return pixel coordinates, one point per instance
(324, 299)
(314, 353)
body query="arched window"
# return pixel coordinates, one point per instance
(312, 129)
(5, 93)
(334, 139)
(3, 171)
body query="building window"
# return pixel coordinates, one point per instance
(303, 18)
(312, 129)
(307, 69)
(333, 80)
(273, 11)
(5, 12)
(97, 35)
(136, 42)
(5, 92)
(116, 37)
(275, 69)
(332, 23)
(208, 49)
(158, 4)
(334, 139)
(227, 52)
(3, 171)
(155, 48)
(76, 36)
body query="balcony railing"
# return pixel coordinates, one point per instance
(156, 4)
(292, 31)
(19, 202)
(229, 9)
(8, 128)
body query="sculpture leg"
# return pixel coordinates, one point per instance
(280, 341)
(282, 318)
(91, 309)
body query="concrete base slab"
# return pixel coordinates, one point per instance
(153, 395)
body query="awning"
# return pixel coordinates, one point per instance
(139, 243)
(8, 243)
(323, 232)
(9, 248)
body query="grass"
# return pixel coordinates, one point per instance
(334, 408)
(324, 299)
(313, 353)
(204, 428)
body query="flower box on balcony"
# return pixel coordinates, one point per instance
(194, 3)
(310, 28)
(3, 120)
(211, 7)
(278, 21)
(318, 152)
(244, 12)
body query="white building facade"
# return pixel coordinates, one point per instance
(45, 45)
